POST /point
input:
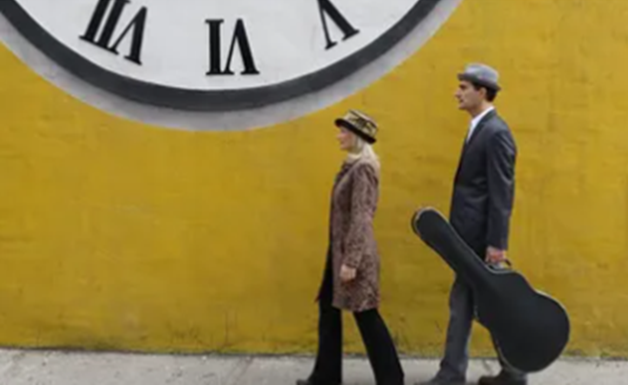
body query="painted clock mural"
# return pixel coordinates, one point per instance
(216, 56)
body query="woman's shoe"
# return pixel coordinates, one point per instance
(309, 382)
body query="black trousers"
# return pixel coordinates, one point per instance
(379, 345)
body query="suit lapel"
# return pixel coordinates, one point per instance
(476, 132)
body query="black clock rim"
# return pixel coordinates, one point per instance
(204, 100)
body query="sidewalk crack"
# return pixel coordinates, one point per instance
(238, 371)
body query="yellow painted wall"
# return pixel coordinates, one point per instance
(117, 235)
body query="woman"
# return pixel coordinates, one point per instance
(351, 279)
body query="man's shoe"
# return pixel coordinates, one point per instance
(502, 379)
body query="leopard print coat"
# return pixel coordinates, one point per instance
(353, 205)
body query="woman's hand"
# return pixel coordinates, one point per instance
(347, 274)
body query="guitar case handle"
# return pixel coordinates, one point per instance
(500, 266)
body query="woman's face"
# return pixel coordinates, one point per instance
(346, 139)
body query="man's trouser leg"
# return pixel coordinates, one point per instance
(507, 370)
(453, 366)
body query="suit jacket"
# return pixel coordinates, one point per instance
(484, 184)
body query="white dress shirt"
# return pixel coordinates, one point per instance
(476, 120)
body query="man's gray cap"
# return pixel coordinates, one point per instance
(482, 75)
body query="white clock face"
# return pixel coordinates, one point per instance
(188, 62)
(171, 43)
(215, 56)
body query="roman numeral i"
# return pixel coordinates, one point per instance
(107, 25)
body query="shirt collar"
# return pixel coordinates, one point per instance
(476, 120)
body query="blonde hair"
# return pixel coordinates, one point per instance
(363, 151)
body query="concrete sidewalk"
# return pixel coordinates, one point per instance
(60, 368)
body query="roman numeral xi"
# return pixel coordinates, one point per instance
(107, 25)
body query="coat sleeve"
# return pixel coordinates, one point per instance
(501, 156)
(363, 201)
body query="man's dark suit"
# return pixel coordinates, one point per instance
(480, 212)
(484, 186)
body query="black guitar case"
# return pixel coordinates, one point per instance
(530, 328)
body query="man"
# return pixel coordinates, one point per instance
(480, 212)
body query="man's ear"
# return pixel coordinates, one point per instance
(484, 93)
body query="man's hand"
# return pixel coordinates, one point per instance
(495, 256)
(347, 273)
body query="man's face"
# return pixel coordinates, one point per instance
(468, 97)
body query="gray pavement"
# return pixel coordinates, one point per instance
(38, 367)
